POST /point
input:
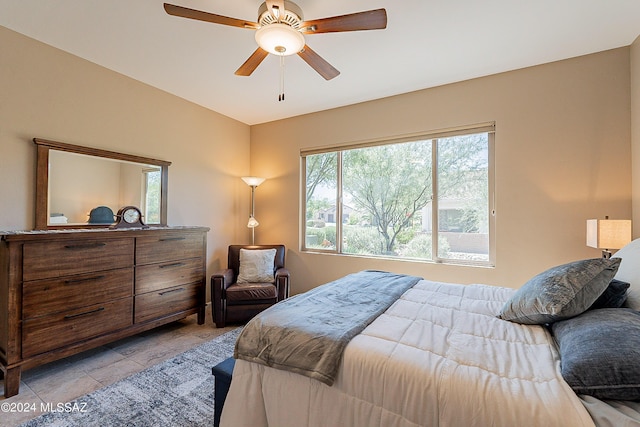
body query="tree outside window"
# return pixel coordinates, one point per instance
(152, 180)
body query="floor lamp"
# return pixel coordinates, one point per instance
(253, 182)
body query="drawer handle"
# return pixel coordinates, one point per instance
(170, 291)
(85, 245)
(175, 264)
(86, 279)
(171, 239)
(73, 316)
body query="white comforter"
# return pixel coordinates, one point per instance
(437, 357)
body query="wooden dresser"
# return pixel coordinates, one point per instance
(63, 292)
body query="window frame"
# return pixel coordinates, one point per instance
(433, 136)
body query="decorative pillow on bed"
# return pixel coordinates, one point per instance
(629, 271)
(613, 297)
(560, 292)
(256, 266)
(600, 353)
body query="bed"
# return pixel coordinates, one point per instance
(445, 354)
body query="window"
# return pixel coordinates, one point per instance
(151, 190)
(426, 197)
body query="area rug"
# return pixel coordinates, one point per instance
(177, 392)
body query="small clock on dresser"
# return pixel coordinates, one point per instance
(129, 217)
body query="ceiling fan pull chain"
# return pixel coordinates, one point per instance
(281, 95)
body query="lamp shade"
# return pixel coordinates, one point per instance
(253, 223)
(253, 181)
(608, 233)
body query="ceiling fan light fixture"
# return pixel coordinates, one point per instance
(280, 39)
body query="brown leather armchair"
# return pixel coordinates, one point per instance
(238, 302)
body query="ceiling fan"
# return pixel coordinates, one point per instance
(280, 31)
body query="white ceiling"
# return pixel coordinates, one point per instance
(426, 43)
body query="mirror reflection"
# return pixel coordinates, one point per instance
(86, 189)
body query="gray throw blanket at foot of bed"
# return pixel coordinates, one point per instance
(307, 333)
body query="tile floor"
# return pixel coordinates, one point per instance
(75, 376)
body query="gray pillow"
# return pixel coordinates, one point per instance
(560, 292)
(613, 297)
(600, 353)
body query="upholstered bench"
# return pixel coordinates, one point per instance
(222, 373)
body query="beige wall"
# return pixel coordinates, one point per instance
(562, 156)
(635, 133)
(50, 94)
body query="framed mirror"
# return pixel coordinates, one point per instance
(83, 187)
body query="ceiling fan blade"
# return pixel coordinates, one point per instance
(276, 7)
(316, 62)
(252, 63)
(199, 15)
(368, 20)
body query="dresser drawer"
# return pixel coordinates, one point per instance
(153, 277)
(42, 297)
(169, 247)
(50, 259)
(57, 330)
(162, 303)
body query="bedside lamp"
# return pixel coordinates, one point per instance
(253, 182)
(608, 234)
